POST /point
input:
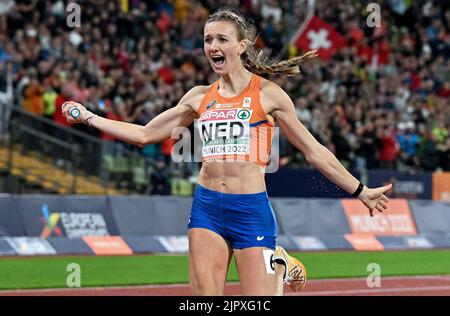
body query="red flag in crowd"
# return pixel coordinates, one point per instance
(316, 34)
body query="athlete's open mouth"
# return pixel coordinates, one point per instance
(218, 60)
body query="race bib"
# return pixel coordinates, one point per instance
(225, 132)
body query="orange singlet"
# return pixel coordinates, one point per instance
(235, 129)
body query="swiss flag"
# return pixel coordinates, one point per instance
(316, 34)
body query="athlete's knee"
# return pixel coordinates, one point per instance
(204, 282)
(206, 287)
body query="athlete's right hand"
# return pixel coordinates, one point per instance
(75, 112)
(375, 199)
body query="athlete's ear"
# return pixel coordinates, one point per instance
(243, 46)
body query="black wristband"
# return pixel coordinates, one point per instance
(358, 190)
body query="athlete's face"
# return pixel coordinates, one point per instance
(222, 46)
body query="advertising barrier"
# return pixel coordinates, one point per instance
(174, 243)
(5, 248)
(310, 216)
(441, 186)
(123, 225)
(30, 246)
(303, 183)
(144, 244)
(396, 220)
(10, 221)
(364, 242)
(286, 242)
(160, 215)
(439, 241)
(65, 246)
(405, 185)
(418, 242)
(108, 245)
(431, 217)
(309, 243)
(65, 216)
(336, 242)
(392, 243)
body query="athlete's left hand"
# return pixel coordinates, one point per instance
(375, 199)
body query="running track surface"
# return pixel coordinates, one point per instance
(390, 286)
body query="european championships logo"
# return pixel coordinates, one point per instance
(50, 220)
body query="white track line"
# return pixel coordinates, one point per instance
(372, 291)
(97, 288)
(406, 277)
(232, 284)
(107, 288)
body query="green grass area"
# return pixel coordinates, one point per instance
(47, 272)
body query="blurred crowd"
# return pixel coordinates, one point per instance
(381, 102)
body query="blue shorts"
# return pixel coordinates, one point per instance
(244, 220)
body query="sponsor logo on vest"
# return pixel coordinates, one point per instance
(247, 102)
(218, 115)
(211, 104)
(226, 105)
(243, 114)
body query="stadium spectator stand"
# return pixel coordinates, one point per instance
(381, 102)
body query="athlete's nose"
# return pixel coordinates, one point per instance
(214, 47)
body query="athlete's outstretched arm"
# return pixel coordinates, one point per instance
(318, 155)
(158, 129)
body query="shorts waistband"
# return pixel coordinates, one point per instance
(199, 189)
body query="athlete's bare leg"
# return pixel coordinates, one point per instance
(209, 259)
(256, 274)
(279, 277)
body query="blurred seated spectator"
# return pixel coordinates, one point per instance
(160, 178)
